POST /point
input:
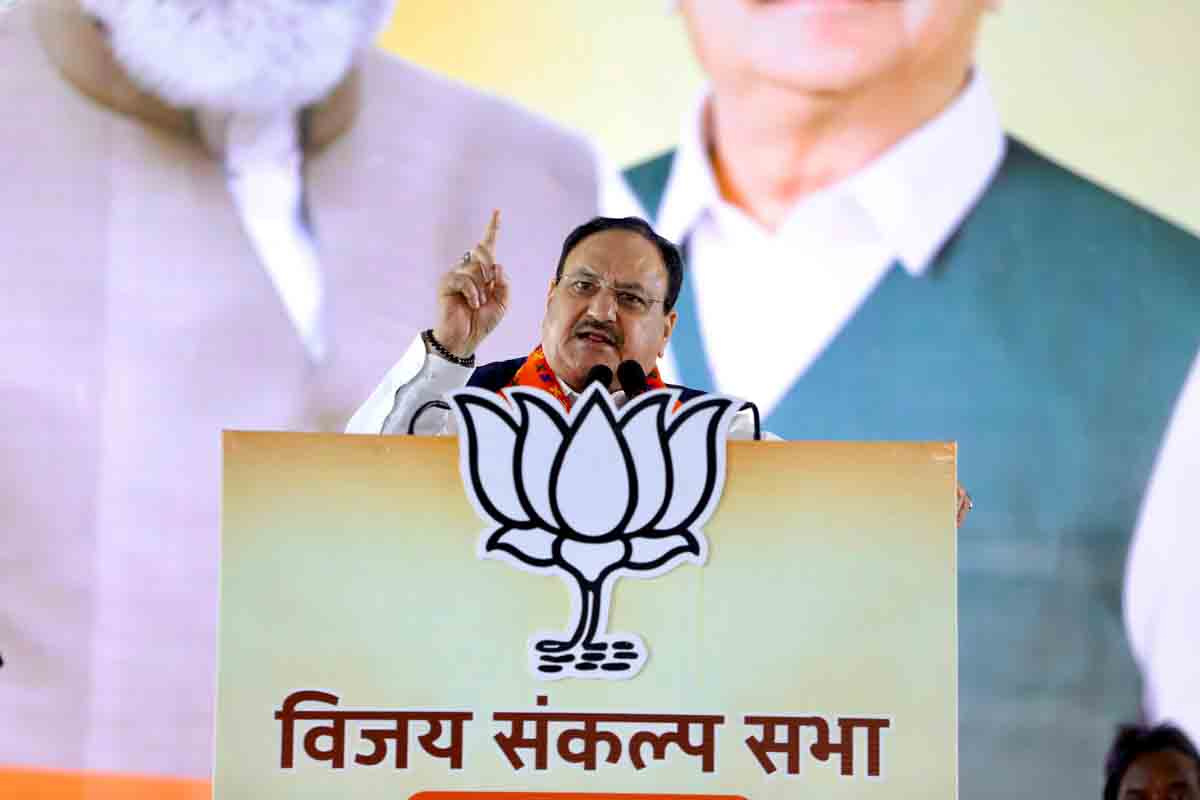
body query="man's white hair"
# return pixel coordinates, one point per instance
(239, 55)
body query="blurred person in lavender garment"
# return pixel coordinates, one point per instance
(217, 214)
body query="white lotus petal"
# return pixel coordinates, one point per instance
(661, 554)
(592, 558)
(542, 439)
(489, 431)
(692, 446)
(592, 486)
(644, 434)
(533, 547)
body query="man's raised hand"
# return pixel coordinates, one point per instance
(472, 296)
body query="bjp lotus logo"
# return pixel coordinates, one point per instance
(592, 495)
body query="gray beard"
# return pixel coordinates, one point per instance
(239, 56)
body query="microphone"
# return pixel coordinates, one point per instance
(600, 374)
(632, 378)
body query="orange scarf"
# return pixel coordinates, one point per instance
(536, 373)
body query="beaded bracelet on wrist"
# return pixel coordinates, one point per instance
(440, 349)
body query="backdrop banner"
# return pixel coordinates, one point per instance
(595, 604)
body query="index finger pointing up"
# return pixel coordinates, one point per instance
(489, 238)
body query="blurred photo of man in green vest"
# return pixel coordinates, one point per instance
(871, 256)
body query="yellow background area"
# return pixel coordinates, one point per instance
(1108, 87)
(349, 566)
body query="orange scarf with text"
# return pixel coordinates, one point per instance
(536, 373)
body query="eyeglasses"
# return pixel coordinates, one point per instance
(585, 287)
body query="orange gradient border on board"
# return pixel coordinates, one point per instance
(537, 795)
(54, 785)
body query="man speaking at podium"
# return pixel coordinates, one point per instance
(609, 315)
(610, 310)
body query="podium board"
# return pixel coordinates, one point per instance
(370, 646)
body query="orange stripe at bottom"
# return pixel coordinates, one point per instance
(536, 795)
(52, 785)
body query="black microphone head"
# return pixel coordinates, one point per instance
(601, 374)
(632, 378)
